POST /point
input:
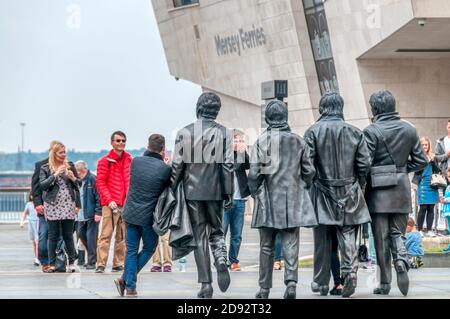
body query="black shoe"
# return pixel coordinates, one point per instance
(263, 293)
(336, 291)
(90, 267)
(350, 282)
(117, 269)
(402, 277)
(291, 291)
(223, 276)
(206, 291)
(100, 270)
(120, 285)
(382, 289)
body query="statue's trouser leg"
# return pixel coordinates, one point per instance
(214, 218)
(266, 255)
(197, 214)
(322, 254)
(380, 229)
(397, 226)
(289, 250)
(346, 236)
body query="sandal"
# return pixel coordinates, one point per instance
(51, 269)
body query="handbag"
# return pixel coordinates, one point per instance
(438, 181)
(61, 258)
(384, 175)
(363, 253)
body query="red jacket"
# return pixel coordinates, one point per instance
(113, 178)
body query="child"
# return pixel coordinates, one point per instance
(32, 226)
(414, 244)
(446, 207)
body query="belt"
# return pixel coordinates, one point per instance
(336, 182)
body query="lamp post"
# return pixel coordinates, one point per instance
(23, 136)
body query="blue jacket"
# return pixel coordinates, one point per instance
(414, 244)
(91, 200)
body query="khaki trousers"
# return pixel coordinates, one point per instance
(111, 222)
(167, 256)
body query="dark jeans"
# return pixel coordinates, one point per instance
(428, 211)
(43, 241)
(88, 234)
(134, 260)
(234, 217)
(55, 229)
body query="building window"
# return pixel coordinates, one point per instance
(180, 3)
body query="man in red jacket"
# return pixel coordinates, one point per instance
(113, 178)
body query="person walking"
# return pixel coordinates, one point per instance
(33, 235)
(233, 217)
(149, 177)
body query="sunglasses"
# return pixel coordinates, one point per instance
(120, 141)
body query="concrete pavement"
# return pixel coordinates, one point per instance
(20, 279)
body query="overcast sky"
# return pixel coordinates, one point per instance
(78, 70)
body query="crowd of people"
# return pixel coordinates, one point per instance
(336, 180)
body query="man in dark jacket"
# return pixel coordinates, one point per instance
(443, 151)
(391, 141)
(89, 215)
(341, 160)
(203, 162)
(280, 173)
(234, 216)
(149, 176)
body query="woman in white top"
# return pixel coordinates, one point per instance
(33, 234)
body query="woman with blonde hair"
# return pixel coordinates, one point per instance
(427, 197)
(60, 185)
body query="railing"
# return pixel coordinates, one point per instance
(12, 204)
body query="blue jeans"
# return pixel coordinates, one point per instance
(135, 261)
(278, 254)
(43, 240)
(234, 217)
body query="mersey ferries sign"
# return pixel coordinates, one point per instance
(241, 41)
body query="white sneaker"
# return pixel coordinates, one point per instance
(422, 233)
(431, 234)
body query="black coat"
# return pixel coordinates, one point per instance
(404, 145)
(341, 159)
(50, 188)
(441, 156)
(203, 161)
(240, 166)
(35, 185)
(149, 176)
(278, 179)
(91, 200)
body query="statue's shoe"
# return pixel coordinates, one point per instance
(402, 277)
(382, 289)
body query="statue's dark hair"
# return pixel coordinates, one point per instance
(382, 102)
(208, 105)
(276, 113)
(331, 104)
